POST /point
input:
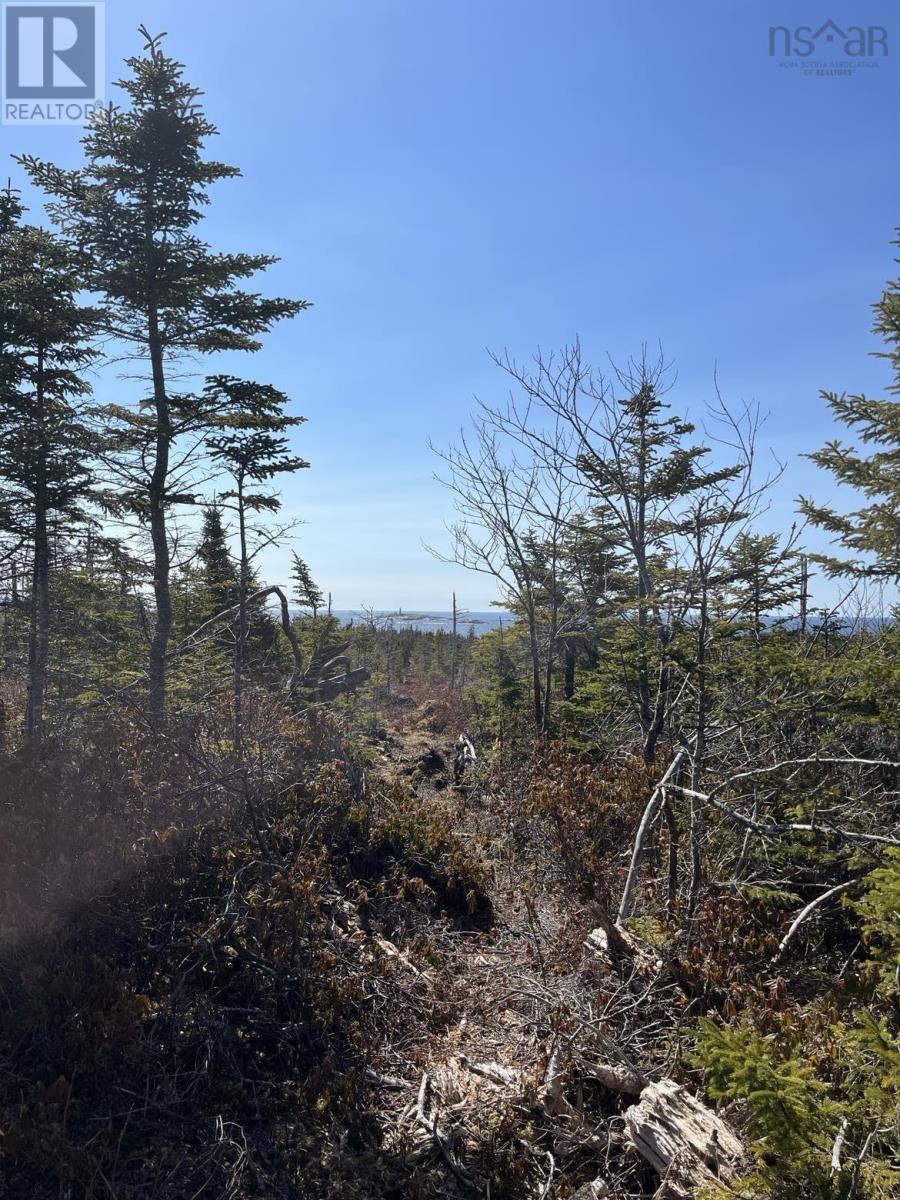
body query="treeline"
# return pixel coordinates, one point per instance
(614, 531)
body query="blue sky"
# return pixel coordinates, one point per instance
(442, 178)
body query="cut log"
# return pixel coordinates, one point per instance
(685, 1142)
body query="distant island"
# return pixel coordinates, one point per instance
(480, 622)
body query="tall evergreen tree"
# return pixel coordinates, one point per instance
(44, 440)
(132, 212)
(872, 531)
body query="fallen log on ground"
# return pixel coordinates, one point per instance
(685, 1142)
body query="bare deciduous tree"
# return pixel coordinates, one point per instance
(515, 511)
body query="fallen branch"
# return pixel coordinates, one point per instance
(837, 1147)
(286, 625)
(806, 911)
(626, 904)
(440, 1138)
(773, 829)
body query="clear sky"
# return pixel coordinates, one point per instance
(442, 177)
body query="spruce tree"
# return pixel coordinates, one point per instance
(44, 439)
(646, 478)
(252, 446)
(132, 213)
(218, 570)
(872, 531)
(306, 591)
(764, 577)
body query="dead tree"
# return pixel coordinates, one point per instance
(514, 512)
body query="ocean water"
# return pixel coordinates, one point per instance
(480, 622)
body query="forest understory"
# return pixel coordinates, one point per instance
(405, 1014)
(409, 989)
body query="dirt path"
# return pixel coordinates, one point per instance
(492, 1100)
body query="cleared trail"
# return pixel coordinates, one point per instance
(524, 1085)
